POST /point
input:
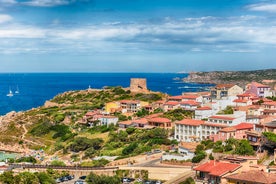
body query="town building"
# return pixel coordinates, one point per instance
(236, 132)
(252, 177)
(258, 89)
(190, 130)
(229, 119)
(160, 122)
(130, 106)
(203, 112)
(221, 91)
(215, 171)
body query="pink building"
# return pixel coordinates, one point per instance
(236, 132)
(258, 89)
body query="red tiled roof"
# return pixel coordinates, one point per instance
(216, 168)
(204, 108)
(240, 100)
(189, 96)
(125, 122)
(259, 85)
(191, 122)
(244, 95)
(254, 176)
(141, 121)
(171, 103)
(189, 102)
(219, 86)
(243, 126)
(222, 117)
(176, 97)
(228, 129)
(153, 115)
(270, 103)
(160, 120)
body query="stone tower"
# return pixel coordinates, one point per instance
(138, 85)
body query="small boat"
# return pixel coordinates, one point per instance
(10, 94)
(17, 90)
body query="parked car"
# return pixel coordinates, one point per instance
(82, 177)
(79, 182)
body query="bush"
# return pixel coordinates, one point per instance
(96, 179)
(83, 143)
(198, 157)
(129, 149)
(57, 163)
(26, 159)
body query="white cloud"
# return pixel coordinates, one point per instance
(263, 7)
(7, 2)
(47, 3)
(235, 34)
(5, 18)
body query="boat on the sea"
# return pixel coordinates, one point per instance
(17, 90)
(10, 94)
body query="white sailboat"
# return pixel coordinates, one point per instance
(10, 94)
(17, 90)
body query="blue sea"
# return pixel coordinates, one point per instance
(35, 88)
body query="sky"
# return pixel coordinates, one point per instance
(137, 35)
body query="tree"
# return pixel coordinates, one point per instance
(7, 177)
(58, 163)
(244, 148)
(96, 179)
(189, 180)
(45, 178)
(27, 178)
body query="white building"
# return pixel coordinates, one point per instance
(203, 112)
(229, 119)
(190, 130)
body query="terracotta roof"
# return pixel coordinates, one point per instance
(153, 115)
(189, 96)
(243, 126)
(254, 176)
(259, 85)
(141, 121)
(189, 102)
(221, 117)
(176, 97)
(273, 103)
(204, 108)
(216, 168)
(244, 95)
(160, 120)
(189, 145)
(228, 129)
(191, 122)
(125, 122)
(240, 100)
(219, 86)
(171, 103)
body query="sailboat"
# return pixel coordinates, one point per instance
(10, 94)
(17, 90)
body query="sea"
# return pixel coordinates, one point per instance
(35, 88)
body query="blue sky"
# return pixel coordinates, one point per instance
(137, 35)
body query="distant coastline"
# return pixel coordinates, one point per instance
(267, 76)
